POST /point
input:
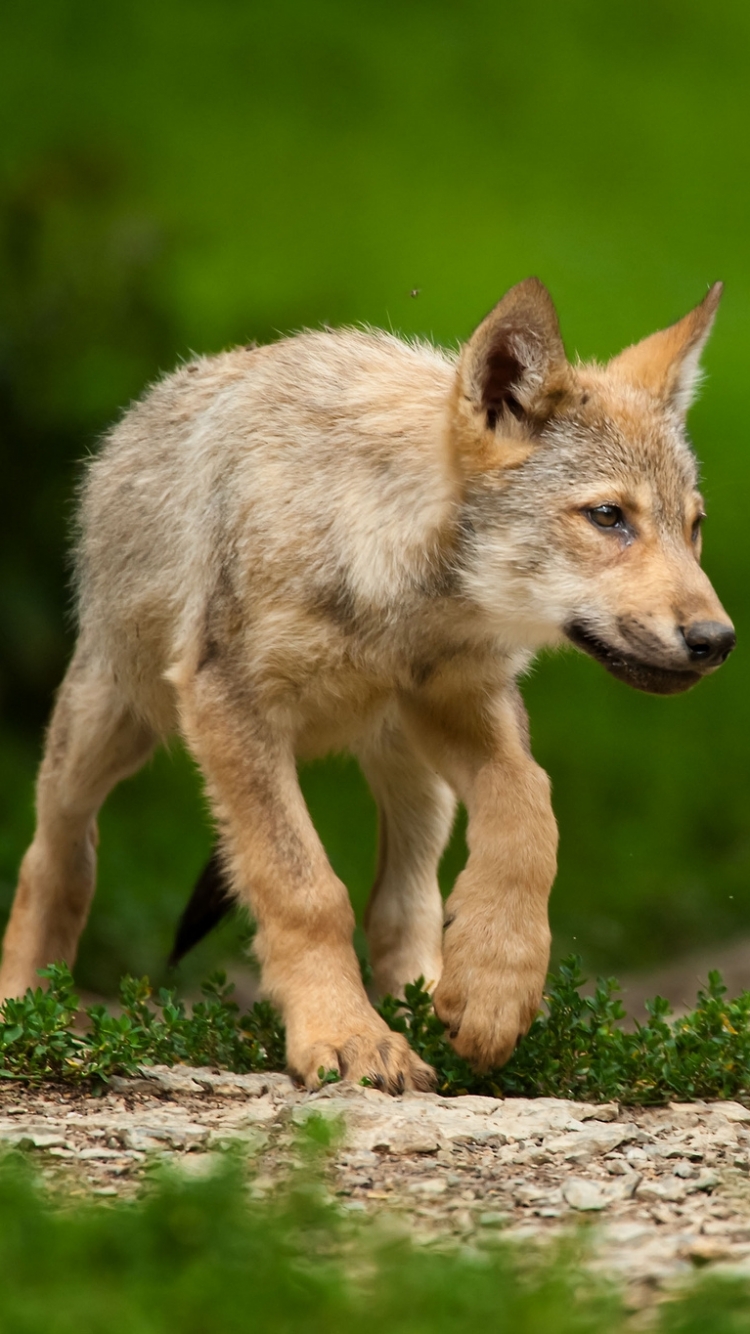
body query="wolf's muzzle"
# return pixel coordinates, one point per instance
(707, 645)
(631, 668)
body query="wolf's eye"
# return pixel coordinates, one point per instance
(606, 516)
(696, 530)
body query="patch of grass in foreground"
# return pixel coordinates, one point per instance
(197, 1255)
(576, 1047)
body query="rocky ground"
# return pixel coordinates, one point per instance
(666, 1189)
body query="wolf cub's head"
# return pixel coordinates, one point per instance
(581, 514)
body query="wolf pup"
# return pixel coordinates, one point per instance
(346, 541)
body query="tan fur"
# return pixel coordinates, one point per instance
(348, 541)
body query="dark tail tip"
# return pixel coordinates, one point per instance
(209, 902)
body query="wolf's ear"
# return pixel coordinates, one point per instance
(515, 362)
(667, 363)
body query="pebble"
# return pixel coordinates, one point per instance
(428, 1186)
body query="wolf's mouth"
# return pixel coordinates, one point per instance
(626, 667)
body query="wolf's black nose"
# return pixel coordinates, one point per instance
(709, 643)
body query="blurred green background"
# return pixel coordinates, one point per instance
(182, 176)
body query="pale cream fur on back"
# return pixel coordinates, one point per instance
(286, 477)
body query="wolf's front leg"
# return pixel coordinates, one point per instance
(279, 868)
(496, 938)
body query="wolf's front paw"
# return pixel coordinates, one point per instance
(488, 1006)
(383, 1058)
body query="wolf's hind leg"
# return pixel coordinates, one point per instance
(93, 741)
(278, 866)
(404, 918)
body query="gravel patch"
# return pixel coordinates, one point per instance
(662, 1190)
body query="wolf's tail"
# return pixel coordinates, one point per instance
(209, 902)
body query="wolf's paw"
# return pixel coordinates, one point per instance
(488, 1011)
(384, 1059)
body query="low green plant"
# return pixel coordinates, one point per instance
(576, 1048)
(38, 1039)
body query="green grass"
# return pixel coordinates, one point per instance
(576, 1048)
(197, 1255)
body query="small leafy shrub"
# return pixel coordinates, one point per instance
(576, 1048)
(38, 1040)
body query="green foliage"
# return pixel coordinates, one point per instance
(36, 1034)
(38, 1041)
(576, 1048)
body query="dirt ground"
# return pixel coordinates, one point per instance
(664, 1190)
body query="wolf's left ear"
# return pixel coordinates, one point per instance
(667, 363)
(514, 364)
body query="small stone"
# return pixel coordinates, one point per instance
(669, 1189)
(617, 1167)
(146, 1138)
(670, 1149)
(129, 1085)
(584, 1195)
(706, 1180)
(410, 1139)
(684, 1170)
(704, 1249)
(606, 1111)
(535, 1196)
(731, 1111)
(363, 1158)
(594, 1138)
(624, 1188)
(636, 1155)
(628, 1234)
(38, 1140)
(428, 1186)
(492, 1219)
(100, 1154)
